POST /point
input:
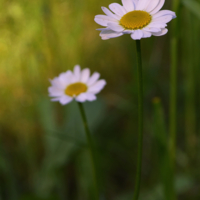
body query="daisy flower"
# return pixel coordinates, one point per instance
(76, 84)
(139, 18)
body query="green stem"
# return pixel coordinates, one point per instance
(160, 134)
(140, 121)
(173, 84)
(173, 99)
(91, 149)
(173, 94)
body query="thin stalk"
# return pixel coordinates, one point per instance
(190, 85)
(91, 149)
(160, 134)
(173, 83)
(173, 99)
(173, 93)
(140, 121)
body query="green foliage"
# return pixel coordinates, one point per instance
(43, 149)
(193, 6)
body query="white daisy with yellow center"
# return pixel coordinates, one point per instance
(139, 18)
(76, 84)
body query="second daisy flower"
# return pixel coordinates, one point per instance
(76, 85)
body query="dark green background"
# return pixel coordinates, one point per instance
(43, 154)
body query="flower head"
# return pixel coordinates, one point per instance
(139, 18)
(76, 84)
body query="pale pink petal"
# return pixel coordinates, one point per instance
(104, 20)
(137, 35)
(85, 75)
(95, 76)
(77, 71)
(108, 33)
(163, 19)
(64, 78)
(163, 13)
(65, 100)
(81, 97)
(142, 4)
(151, 29)
(152, 5)
(117, 9)
(55, 92)
(146, 34)
(97, 87)
(157, 25)
(109, 13)
(115, 27)
(162, 32)
(91, 97)
(158, 7)
(128, 5)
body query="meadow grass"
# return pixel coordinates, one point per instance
(43, 154)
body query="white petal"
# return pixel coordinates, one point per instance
(105, 38)
(55, 92)
(128, 5)
(146, 34)
(113, 36)
(81, 97)
(142, 4)
(97, 87)
(115, 27)
(65, 100)
(57, 83)
(163, 19)
(95, 76)
(90, 97)
(152, 5)
(162, 32)
(104, 20)
(77, 71)
(85, 75)
(135, 2)
(157, 25)
(117, 9)
(109, 13)
(137, 35)
(55, 99)
(74, 79)
(158, 7)
(128, 31)
(151, 29)
(108, 33)
(163, 13)
(65, 78)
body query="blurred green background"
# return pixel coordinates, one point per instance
(43, 151)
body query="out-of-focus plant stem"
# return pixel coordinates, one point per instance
(140, 121)
(190, 82)
(173, 91)
(160, 135)
(91, 149)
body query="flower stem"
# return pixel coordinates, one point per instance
(140, 121)
(91, 149)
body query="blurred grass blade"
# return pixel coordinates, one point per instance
(190, 67)
(7, 172)
(159, 123)
(160, 134)
(193, 6)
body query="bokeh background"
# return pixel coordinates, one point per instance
(43, 150)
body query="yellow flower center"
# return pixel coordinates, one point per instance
(136, 19)
(75, 89)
